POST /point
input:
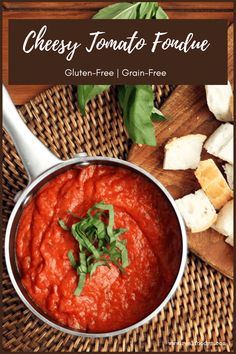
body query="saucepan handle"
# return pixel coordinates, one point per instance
(35, 156)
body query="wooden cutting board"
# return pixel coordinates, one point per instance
(188, 114)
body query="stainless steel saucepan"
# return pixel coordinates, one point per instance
(41, 166)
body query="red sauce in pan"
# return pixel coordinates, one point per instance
(110, 300)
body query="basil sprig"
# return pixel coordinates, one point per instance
(131, 11)
(137, 101)
(88, 92)
(99, 242)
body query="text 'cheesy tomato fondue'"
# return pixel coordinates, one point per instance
(110, 299)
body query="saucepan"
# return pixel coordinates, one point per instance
(41, 166)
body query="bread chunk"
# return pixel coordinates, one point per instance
(220, 143)
(183, 153)
(230, 240)
(213, 183)
(224, 222)
(229, 171)
(197, 211)
(219, 101)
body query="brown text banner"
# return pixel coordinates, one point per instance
(117, 52)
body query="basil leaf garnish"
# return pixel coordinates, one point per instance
(135, 100)
(98, 241)
(63, 225)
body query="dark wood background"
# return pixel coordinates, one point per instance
(84, 10)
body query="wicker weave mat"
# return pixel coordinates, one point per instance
(202, 308)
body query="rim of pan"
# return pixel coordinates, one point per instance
(86, 161)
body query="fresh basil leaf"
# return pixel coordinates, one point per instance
(118, 265)
(87, 92)
(72, 259)
(111, 218)
(90, 258)
(120, 231)
(63, 225)
(82, 280)
(83, 263)
(94, 267)
(124, 254)
(131, 11)
(161, 14)
(124, 258)
(157, 115)
(81, 270)
(106, 262)
(99, 243)
(73, 214)
(123, 242)
(123, 10)
(101, 230)
(76, 234)
(89, 245)
(137, 104)
(112, 253)
(147, 10)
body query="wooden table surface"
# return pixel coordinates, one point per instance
(84, 10)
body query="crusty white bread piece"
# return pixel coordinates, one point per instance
(213, 183)
(230, 240)
(224, 222)
(226, 153)
(219, 101)
(220, 143)
(229, 171)
(197, 211)
(184, 152)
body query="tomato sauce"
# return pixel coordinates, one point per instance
(110, 300)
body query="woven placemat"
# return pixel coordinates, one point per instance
(198, 318)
